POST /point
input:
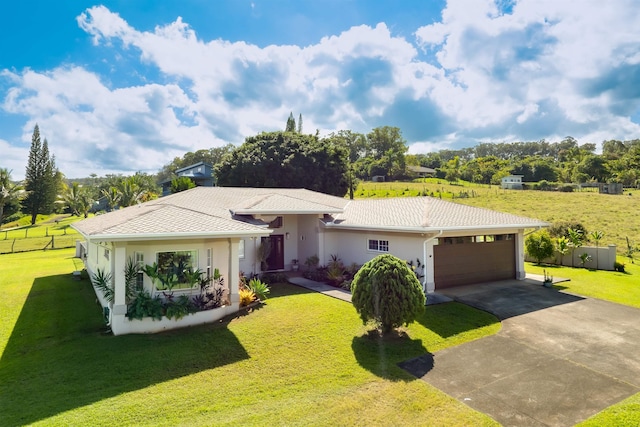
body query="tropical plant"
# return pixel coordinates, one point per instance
(539, 246)
(246, 297)
(576, 240)
(112, 197)
(131, 270)
(562, 247)
(387, 292)
(312, 262)
(162, 281)
(8, 191)
(584, 258)
(259, 288)
(178, 308)
(78, 199)
(596, 236)
(102, 281)
(145, 306)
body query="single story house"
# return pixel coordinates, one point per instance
(512, 182)
(223, 228)
(421, 171)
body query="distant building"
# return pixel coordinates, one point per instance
(512, 182)
(200, 173)
(421, 171)
(610, 188)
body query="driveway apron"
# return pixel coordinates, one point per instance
(558, 359)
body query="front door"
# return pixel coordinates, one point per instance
(275, 260)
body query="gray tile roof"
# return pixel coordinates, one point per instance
(207, 211)
(204, 211)
(419, 213)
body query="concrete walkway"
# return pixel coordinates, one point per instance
(323, 288)
(558, 359)
(344, 295)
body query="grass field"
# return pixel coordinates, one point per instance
(302, 359)
(615, 215)
(35, 237)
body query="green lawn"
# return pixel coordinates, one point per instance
(34, 237)
(301, 359)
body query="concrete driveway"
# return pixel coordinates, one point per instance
(558, 359)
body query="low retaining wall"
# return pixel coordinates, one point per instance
(121, 325)
(602, 258)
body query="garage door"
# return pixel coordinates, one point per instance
(465, 263)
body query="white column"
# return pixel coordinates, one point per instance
(429, 274)
(520, 272)
(234, 271)
(118, 261)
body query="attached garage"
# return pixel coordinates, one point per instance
(466, 260)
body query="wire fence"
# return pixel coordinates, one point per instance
(12, 245)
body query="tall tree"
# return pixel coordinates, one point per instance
(291, 124)
(40, 178)
(8, 192)
(286, 160)
(387, 147)
(300, 123)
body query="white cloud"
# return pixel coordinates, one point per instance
(546, 69)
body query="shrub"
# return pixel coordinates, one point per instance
(561, 228)
(259, 288)
(246, 297)
(270, 278)
(386, 291)
(619, 267)
(566, 188)
(178, 308)
(145, 306)
(539, 246)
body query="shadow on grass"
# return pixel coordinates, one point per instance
(381, 354)
(453, 318)
(59, 357)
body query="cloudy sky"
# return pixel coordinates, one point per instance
(123, 86)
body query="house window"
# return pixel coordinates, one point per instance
(176, 263)
(241, 249)
(139, 259)
(209, 257)
(378, 245)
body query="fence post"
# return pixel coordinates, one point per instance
(26, 230)
(53, 245)
(12, 244)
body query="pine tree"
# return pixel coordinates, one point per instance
(300, 123)
(291, 123)
(40, 178)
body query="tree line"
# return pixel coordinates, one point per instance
(333, 164)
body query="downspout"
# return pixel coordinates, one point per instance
(424, 258)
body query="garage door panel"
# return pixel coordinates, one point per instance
(467, 263)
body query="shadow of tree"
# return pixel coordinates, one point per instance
(381, 354)
(58, 356)
(453, 318)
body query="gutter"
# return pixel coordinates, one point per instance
(424, 258)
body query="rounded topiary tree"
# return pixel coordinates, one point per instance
(385, 290)
(539, 246)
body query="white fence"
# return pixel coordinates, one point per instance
(601, 258)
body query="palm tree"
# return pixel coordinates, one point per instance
(112, 196)
(576, 239)
(8, 190)
(596, 236)
(562, 247)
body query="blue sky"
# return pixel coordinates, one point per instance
(125, 86)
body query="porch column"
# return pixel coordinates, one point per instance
(118, 262)
(234, 271)
(429, 276)
(520, 273)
